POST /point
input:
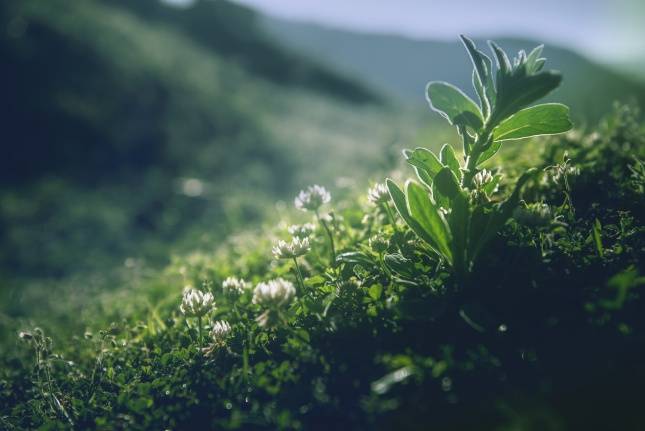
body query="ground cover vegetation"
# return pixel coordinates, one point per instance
(485, 294)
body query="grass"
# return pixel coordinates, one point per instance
(380, 338)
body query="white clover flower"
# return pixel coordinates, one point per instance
(289, 250)
(196, 303)
(220, 331)
(274, 293)
(482, 178)
(312, 198)
(302, 230)
(234, 286)
(378, 194)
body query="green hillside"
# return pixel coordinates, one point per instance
(401, 67)
(136, 100)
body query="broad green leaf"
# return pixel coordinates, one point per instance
(423, 176)
(517, 92)
(489, 152)
(447, 183)
(442, 201)
(454, 105)
(478, 223)
(545, 119)
(424, 212)
(448, 158)
(400, 203)
(425, 159)
(459, 225)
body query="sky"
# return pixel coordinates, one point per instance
(607, 30)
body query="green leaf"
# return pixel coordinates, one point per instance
(400, 203)
(447, 183)
(375, 291)
(545, 119)
(427, 215)
(458, 222)
(397, 263)
(503, 63)
(441, 200)
(489, 152)
(454, 105)
(517, 92)
(597, 238)
(483, 67)
(355, 257)
(448, 158)
(425, 159)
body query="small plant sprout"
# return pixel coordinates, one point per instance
(302, 230)
(438, 208)
(292, 250)
(311, 200)
(197, 304)
(273, 296)
(234, 286)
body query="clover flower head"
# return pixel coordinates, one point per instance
(196, 303)
(234, 286)
(482, 178)
(302, 230)
(220, 331)
(312, 198)
(378, 243)
(274, 293)
(289, 250)
(378, 194)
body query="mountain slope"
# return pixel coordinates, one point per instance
(111, 110)
(402, 67)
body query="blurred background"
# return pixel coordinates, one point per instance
(132, 130)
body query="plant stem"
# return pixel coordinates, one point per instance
(331, 238)
(301, 280)
(390, 216)
(199, 324)
(477, 149)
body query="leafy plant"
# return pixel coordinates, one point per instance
(451, 209)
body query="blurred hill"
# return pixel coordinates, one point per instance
(127, 125)
(95, 87)
(401, 67)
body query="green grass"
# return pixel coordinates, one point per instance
(384, 338)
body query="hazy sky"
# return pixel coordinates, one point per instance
(609, 30)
